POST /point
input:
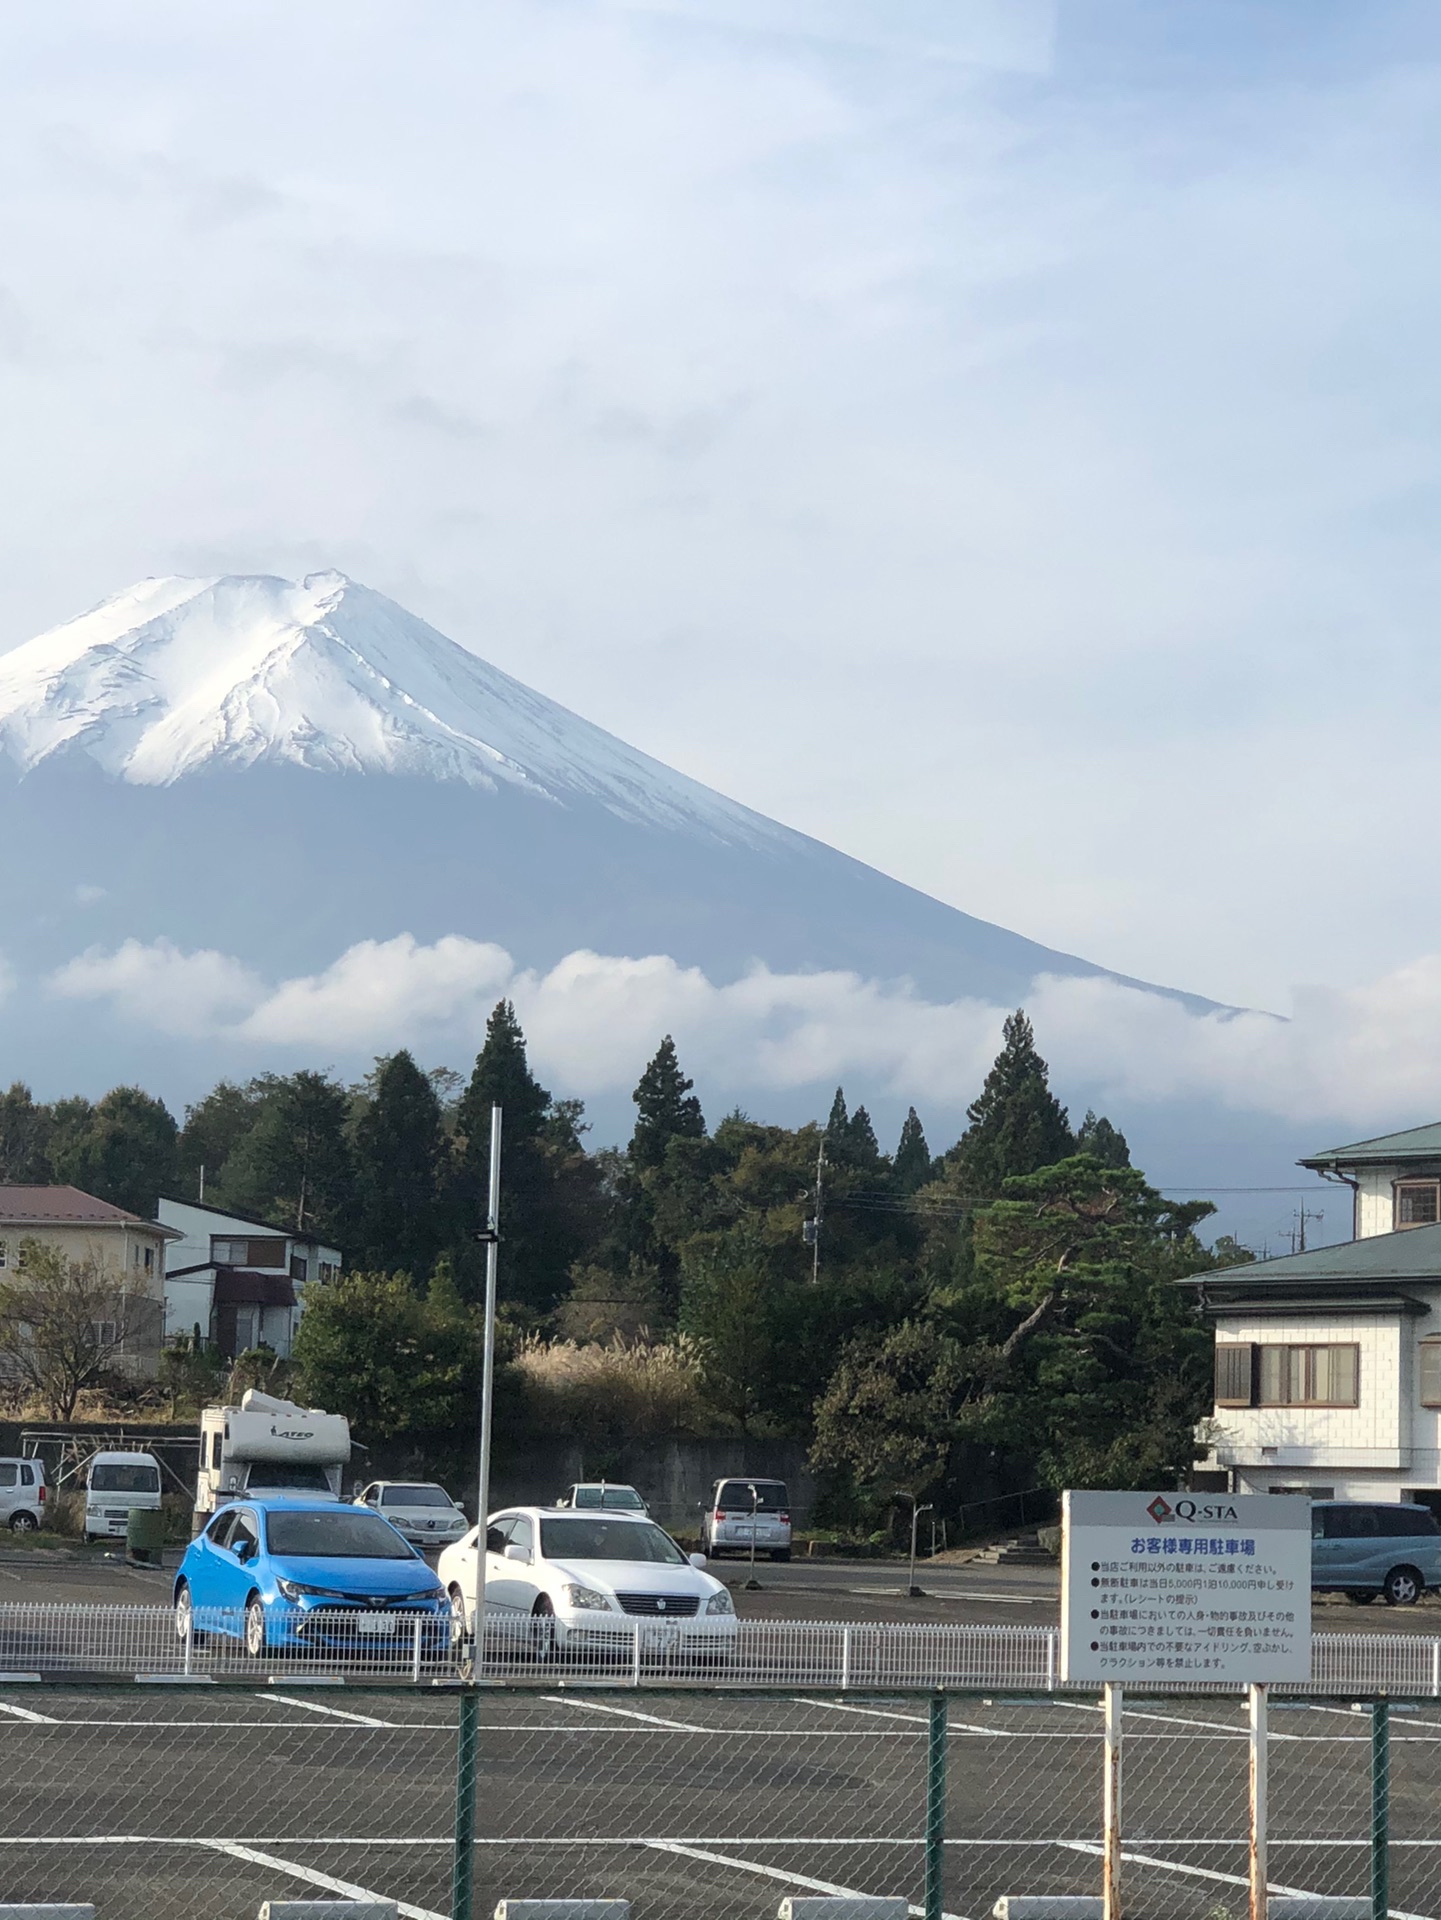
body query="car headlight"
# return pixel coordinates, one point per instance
(586, 1597)
(720, 1603)
(293, 1589)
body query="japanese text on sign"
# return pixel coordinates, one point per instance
(1171, 1586)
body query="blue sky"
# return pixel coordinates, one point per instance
(1000, 440)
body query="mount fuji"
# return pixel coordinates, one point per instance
(274, 771)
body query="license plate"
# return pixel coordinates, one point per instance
(376, 1623)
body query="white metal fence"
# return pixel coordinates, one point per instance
(36, 1638)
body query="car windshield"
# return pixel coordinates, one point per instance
(343, 1535)
(117, 1479)
(769, 1496)
(608, 1540)
(621, 1497)
(302, 1479)
(415, 1497)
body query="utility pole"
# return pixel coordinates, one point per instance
(811, 1229)
(490, 1237)
(1298, 1236)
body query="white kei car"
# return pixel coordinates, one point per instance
(586, 1580)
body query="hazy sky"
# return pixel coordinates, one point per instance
(1000, 440)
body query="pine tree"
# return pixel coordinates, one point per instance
(668, 1110)
(1102, 1141)
(397, 1170)
(837, 1126)
(532, 1261)
(911, 1168)
(863, 1150)
(1016, 1124)
(294, 1166)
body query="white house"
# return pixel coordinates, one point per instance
(241, 1281)
(1328, 1363)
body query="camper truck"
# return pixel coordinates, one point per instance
(268, 1446)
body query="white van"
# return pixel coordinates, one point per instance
(746, 1509)
(114, 1483)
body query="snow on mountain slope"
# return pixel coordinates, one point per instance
(174, 676)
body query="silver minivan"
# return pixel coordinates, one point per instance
(22, 1495)
(1362, 1548)
(743, 1506)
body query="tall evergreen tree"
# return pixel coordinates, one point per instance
(1016, 1124)
(25, 1129)
(911, 1168)
(398, 1145)
(294, 1166)
(123, 1149)
(532, 1265)
(862, 1147)
(668, 1110)
(838, 1126)
(1102, 1141)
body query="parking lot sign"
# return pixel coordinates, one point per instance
(1178, 1586)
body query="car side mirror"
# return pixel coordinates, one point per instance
(516, 1552)
(696, 1559)
(243, 1551)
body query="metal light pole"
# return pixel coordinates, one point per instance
(753, 1583)
(913, 1592)
(491, 1237)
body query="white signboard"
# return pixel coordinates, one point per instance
(1180, 1586)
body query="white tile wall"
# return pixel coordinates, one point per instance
(1388, 1435)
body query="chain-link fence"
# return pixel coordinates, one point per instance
(171, 1800)
(404, 1642)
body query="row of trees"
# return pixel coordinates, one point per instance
(897, 1311)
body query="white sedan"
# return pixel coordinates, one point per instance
(596, 1579)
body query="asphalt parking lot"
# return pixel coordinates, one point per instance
(162, 1805)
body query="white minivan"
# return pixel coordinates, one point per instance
(114, 1483)
(745, 1508)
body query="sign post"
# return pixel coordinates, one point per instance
(1161, 1587)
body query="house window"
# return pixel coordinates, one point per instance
(150, 1259)
(248, 1253)
(1431, 1372)
(1234, 1373)
(1418, 1203)
(4, 1254)
(1309, 1376)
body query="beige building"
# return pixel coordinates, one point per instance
(82, 1228)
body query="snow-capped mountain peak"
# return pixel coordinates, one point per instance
(175, 676)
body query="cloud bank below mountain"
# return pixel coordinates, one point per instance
(593, 1019)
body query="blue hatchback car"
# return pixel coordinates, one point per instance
(296, 1574)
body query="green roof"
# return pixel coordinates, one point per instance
(1415, 1143)
(1413, 1254)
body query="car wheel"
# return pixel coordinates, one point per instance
(23, 1523)
(780, 1553)
(1402, 1587)
(1361, 1597)
(459, 1618)
(542, 1630)
(185, 1627)
(254, 1627)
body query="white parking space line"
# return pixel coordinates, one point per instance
(626, 1713)
(771, 1873)
(24, 1713)
(1210, 1873)
(914, 1719)
(333, 1713)
(308, 1874)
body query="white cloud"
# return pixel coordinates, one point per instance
(1372, 1053)
(191, 994)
